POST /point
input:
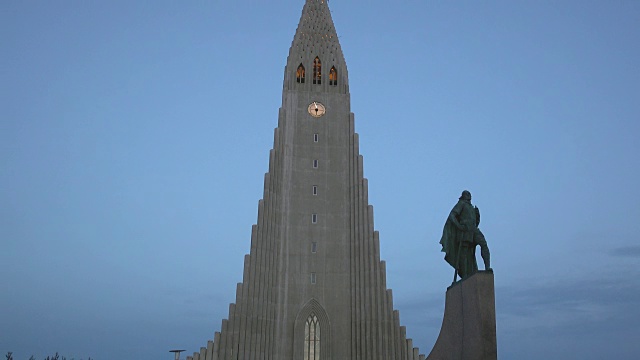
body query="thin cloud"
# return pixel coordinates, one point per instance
(570, 296)
(626, 251)
(568, 314)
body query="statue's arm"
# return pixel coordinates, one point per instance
(455, 214)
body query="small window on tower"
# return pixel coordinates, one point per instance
(333, 76)
(317, 71)
(315, 137)
(314, 247)
(315, 164)
(313, 278)
(300, 74)
(314, 218)
(315, 190)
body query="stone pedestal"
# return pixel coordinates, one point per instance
(469, 326)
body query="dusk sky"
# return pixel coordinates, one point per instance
(135, 135)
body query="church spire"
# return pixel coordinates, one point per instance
(313, 285)
(315, 57)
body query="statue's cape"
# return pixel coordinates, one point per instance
(449, 242)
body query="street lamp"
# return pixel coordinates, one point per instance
(177, 352)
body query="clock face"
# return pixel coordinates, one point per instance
(316, 109)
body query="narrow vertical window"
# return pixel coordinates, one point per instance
(314, 218)
(315, 137)
(312, 338)
(315, 190)
(317, 71)
(315, 164)
(313, 278)
(333, 76)
(314, 247)
(300, 74)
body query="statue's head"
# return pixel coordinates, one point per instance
(466, 195)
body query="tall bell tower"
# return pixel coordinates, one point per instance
(313, 286)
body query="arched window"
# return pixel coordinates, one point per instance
(312, 338)
(300, 74)
(317, 71)
(333, 76)
(312, 335)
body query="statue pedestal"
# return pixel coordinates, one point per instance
(469, 326)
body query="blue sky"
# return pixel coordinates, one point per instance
(134, 138)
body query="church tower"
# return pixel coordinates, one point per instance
(313, 286)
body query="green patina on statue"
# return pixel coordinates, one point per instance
(460, 237)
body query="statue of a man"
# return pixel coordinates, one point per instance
(460, 237)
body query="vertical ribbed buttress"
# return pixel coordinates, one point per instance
(248, 332)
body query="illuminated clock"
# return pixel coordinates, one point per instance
(316, 109)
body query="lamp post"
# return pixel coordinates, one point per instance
(177, 352)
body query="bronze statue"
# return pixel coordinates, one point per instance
(460, 237)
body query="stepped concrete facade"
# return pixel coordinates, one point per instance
(314, 286)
